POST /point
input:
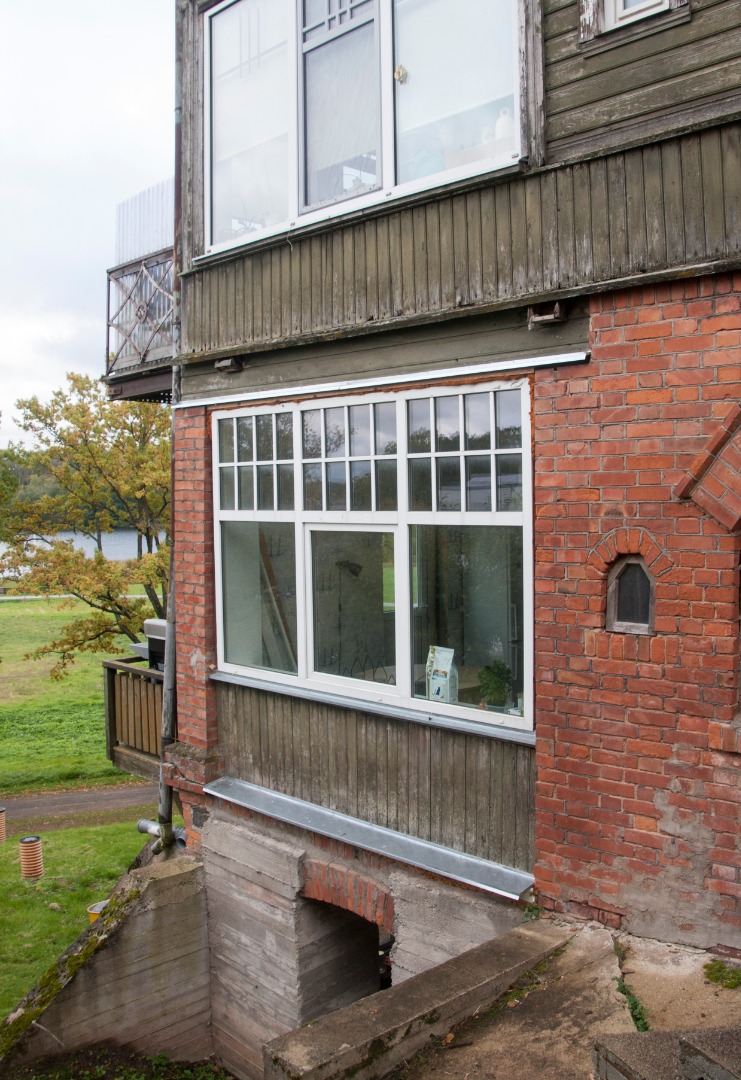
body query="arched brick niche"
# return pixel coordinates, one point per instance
(348, 889)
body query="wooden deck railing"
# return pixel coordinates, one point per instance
(133, 711)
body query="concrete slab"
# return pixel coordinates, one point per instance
(669, 981)
(646, 1055)
(549, 1033)
(713, 1053)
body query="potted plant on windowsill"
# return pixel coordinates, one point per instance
(495, 680)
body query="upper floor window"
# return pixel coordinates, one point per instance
(315, 103)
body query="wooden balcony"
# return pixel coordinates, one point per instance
(133, 713)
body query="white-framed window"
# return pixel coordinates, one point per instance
(318, 107)
(618, 13)
(377, 547)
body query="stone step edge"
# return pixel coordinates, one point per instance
(372, 1036)
(669, 1055)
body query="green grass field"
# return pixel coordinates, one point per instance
(43, 916)
(52, 734)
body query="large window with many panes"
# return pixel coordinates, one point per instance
(378, 547)
(317, 106)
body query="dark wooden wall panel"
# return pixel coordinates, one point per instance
(668, 204)
(469, 793)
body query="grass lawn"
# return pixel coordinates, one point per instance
(42, 917)
(52, 734)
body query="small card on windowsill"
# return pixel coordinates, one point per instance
(442, 676)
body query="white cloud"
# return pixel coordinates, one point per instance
(87, 121)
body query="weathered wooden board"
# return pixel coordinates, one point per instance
(467, 792)
(645, 210)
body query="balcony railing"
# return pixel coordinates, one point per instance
(140, 317)
(133, 712)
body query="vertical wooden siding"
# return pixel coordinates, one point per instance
(672, 204)
(469, 793)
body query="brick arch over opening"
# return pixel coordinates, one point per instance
(345, 888)
(629, 541)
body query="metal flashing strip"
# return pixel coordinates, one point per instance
(388, 381)
(492, 877)
(488, 730)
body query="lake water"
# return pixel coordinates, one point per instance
(120, 544)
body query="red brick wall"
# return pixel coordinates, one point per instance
(638, 805)
(194, 759)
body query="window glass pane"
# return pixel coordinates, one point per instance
(448, 435)
(420, 484)
(360, 486)
(285, 487)
(284, 426)
(419, 426)
(244, 438)
(509, 482)
(478, 483)
(334, 420)
(353, 591)
(265, 487)
(226, 440)
(385, 416)
(455, 101)
(246, 488)
(226, 489)
(634, 595)
(259, 594)
(360, 442)
(509, 421)
(342, 116)
(249, 143)
(312, 434)
(386, 485)
(448, 484)
(468, 597)
(478, 422)
(264, 438)
(336, 486)
(312, 487)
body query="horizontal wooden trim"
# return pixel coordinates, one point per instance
(387, 382)
(465, 727)
(492, 877)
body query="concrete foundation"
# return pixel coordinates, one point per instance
(281, 958)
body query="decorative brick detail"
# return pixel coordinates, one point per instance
(348, 889)
(713, 480)
(625, 541)
(637, 798)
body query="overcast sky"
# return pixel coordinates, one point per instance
(86, 121)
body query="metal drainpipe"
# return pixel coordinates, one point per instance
(168, 836)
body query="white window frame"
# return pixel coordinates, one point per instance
(397, 522)
(615, 13)
(387, 188)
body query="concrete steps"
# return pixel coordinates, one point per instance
(705, 1054)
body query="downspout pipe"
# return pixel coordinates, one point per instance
(167, 836)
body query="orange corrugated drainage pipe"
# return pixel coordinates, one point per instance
(2, 824)
(32, 861)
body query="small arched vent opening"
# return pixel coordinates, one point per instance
(630, 597)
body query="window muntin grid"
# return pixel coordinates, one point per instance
(350, 469)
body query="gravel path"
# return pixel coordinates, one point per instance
(72, 804)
